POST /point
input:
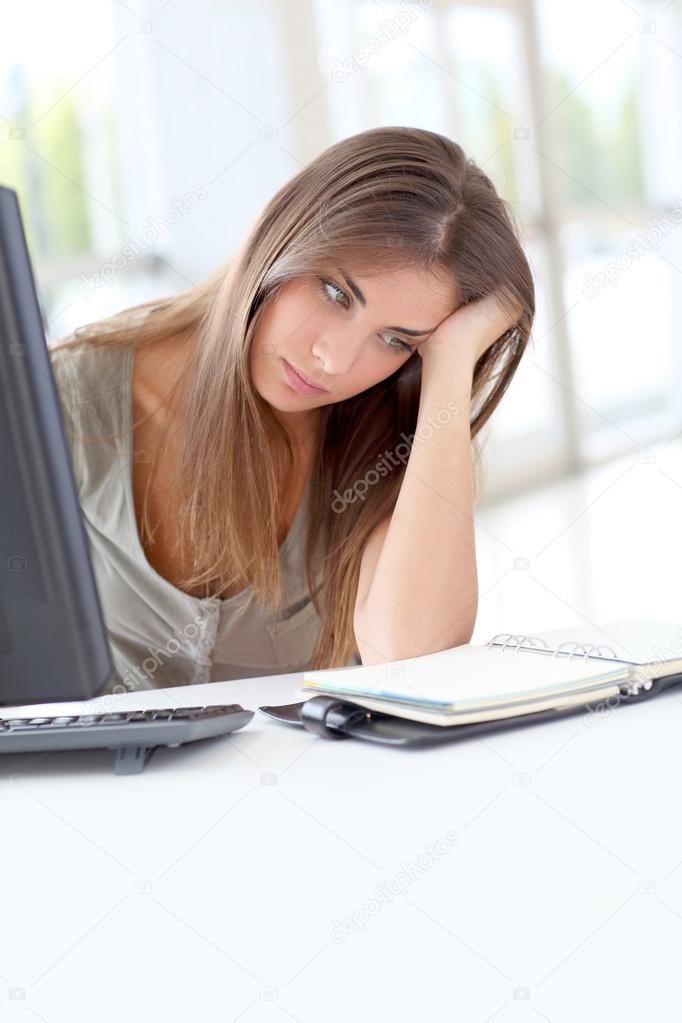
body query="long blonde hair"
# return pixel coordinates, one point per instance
(387, 198)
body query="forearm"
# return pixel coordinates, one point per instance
(424, 590)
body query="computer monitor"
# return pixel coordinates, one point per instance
(53, 641)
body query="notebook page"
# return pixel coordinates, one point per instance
(466, 676)
(429, 716)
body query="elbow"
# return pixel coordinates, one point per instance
(380, 646)
(372, 644)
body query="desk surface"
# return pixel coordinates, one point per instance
(533, 874)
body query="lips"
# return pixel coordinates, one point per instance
(305, 379)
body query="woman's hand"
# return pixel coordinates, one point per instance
(466, 333)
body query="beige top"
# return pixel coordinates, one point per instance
(159, 635)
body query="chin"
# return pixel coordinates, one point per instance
(282, 398)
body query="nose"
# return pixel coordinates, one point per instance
(338, 353)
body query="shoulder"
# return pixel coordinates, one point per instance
(68, 384)
(90, 379)
(90, 386)
(87, 371)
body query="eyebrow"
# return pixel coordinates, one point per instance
(361, 298)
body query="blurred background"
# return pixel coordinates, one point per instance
(145, 138)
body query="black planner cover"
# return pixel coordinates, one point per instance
(336, 718)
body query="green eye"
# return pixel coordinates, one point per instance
(324, 285)
(400, 346)
(394, 343)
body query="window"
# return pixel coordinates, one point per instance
(581, 133)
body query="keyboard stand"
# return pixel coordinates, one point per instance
(132, 759)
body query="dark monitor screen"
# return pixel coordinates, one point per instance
(53, 641)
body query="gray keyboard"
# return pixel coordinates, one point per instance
(133, 735)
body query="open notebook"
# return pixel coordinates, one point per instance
(513, 675)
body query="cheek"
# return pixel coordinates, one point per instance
(294, 326)
(375, 368)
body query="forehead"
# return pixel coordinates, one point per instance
(409, 297)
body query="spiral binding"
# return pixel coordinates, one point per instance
(631, 687)
(507, 640)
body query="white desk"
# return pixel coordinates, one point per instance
(214, 885)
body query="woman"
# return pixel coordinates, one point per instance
(243, 522)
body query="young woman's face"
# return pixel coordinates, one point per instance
(344, 333)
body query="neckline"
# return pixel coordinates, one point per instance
(129, 356)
